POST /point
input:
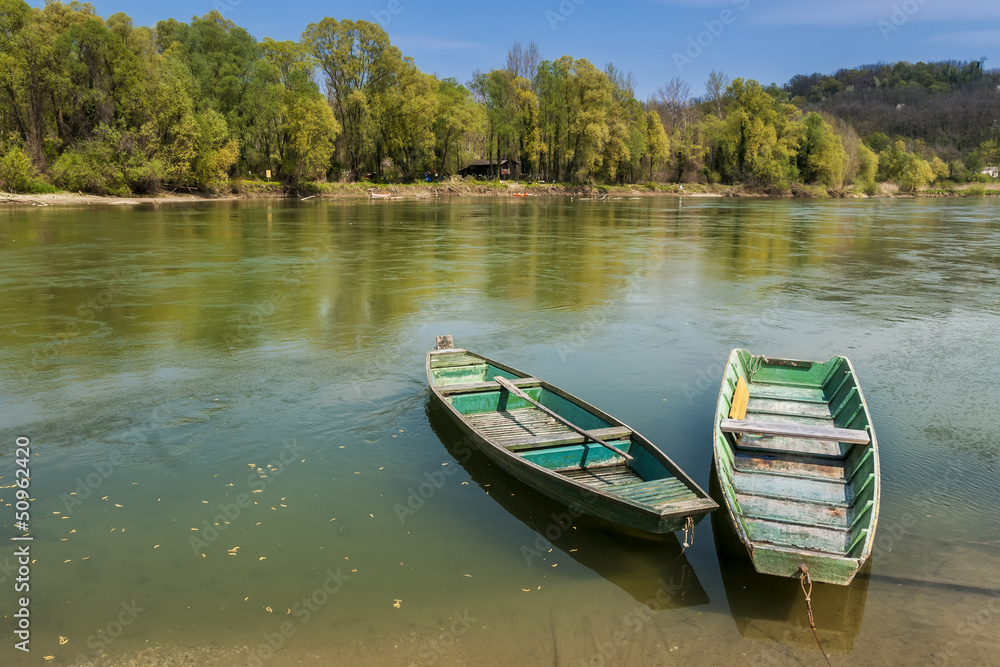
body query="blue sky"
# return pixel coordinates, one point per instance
(766, 40)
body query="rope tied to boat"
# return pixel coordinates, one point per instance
(688, 533)
(755, 363)
(803, 580)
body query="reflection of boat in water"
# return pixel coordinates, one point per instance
(653, 570)
(768, 608)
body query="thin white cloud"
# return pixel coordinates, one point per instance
(967, 38)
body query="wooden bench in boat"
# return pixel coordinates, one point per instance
(468, 387)
(559, 439)
(788, 430)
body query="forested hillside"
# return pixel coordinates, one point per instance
(103, 106)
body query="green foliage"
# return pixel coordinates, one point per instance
(867, 164)
(15, 170)
(101, 105)
(906, 169)
(116, 162)
(759, 137)
(821, 157)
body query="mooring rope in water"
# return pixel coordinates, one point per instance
(688, 533)
(812, 623)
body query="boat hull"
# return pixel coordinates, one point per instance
(552, 479)
(794, 498)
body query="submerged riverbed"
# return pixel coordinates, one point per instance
(236, 461)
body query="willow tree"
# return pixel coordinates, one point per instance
(360, 68)
(821, 156)
(294, 130)
(760, 136)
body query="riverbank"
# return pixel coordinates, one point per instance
(458, 188)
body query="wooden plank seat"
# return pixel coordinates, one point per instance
(785, 429)
(830, 449)
(655, 492)
(523, 443)
(469, 387)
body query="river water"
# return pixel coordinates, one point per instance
(235, 460)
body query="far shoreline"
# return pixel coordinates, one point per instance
(513, 190)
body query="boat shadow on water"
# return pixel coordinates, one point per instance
(772, 609)
(651, 569)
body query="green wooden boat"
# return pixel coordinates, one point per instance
(797, 463)
(562, 446)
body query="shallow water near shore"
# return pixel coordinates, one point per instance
(235, 459)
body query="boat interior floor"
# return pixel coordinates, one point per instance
(621, 481)
(794, 492)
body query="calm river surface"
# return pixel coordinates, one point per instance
(235, 460)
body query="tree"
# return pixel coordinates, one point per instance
(674, 98)
(715, 89)
(759, 136)
(821, 156)
(360, 68)
(657, 141)
(457, 115)
(523, 61)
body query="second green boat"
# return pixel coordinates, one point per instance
(797, 462)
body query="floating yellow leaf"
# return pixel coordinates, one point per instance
(526, 590)
(62, 640)
(72, 531)
(262, 557)
(246, 598)
(49, 657)
(396, 603)
(156, 546)
(269, 610)
(67, 560)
